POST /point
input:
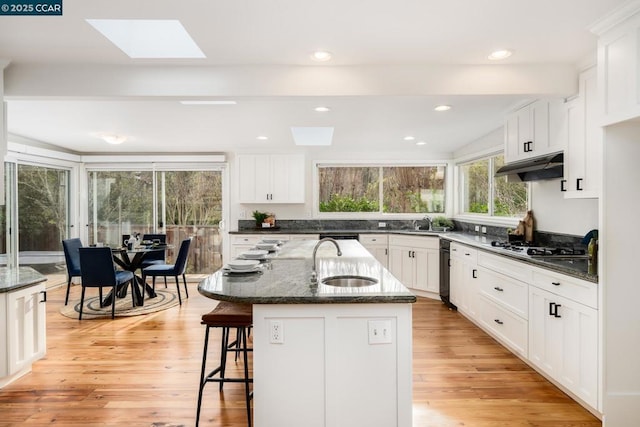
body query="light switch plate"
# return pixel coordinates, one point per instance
(380, 332)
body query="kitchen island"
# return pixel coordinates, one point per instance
(343, 355)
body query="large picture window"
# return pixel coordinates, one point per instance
(382, 189)
(482, 193)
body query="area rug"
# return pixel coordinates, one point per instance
(165, 298)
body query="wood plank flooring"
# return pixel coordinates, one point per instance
(144, 371)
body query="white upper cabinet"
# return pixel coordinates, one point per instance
(583, 156)
(618, 62)
(271, 178)
(534, 130)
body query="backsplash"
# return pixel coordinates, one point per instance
(542, 238)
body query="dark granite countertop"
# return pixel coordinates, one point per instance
(12, 279)
(285, 278)
(578, 268)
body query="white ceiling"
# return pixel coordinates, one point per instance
(367, 37)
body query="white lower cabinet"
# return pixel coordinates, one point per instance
(378, 246)
(508, 327)
(415, 261)
(563, 342)
(463, 282)
(24, 326)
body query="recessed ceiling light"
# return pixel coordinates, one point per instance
(409, 138)
(442, 107)
(208, 102)
(322, 109)
(149, 38)
(500, 54)
(112, 138)
(421, 143)
(321, 55)
(262, 138)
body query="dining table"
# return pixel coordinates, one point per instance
(131, 260)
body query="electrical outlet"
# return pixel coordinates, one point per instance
(380, 332)
(242, 214)
(484, 230)
(276, 332)
(477, 228)
(382, 225)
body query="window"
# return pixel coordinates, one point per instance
(382, 189)
(481, 193)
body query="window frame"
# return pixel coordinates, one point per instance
(448, 189)
(489, 218)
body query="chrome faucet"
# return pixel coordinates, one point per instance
(314, 274)
(428, 219)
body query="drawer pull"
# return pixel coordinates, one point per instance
(555, 283)
(44, 296)
(467, 254)
(499, 289)
(474, 273)
(498, 321)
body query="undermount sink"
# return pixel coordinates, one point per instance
(349, 281)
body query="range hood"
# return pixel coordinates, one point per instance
(534, 169)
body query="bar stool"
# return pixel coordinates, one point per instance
(227, 315)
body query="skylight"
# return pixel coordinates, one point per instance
(312, 135)
(149, 39)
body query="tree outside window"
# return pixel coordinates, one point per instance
(482, 193)
(403, 189)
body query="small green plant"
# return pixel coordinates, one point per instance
(441, 221)
(339, 203)
(259, 217)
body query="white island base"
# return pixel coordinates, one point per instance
(336, 365)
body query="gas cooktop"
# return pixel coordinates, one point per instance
(536, 251)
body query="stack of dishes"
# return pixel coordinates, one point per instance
(255, 254)
(276, 241)
(267, 246)
(243, 266)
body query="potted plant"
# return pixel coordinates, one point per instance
(259, 217)
(441, 223)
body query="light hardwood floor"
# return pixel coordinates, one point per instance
(144, 371)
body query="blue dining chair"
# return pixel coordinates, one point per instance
(155, 257)
(175, 270)
(72, 260)
(98, 271)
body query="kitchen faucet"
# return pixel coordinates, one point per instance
(314, 275)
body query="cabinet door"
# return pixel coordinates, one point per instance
(583, 168)
(511, 139)
(401, 264)
(538, 129)
(26, 324)
(287, 179)
(427, 270)
(380, 253)
(457, 284)
(563, 342)
(254, 178)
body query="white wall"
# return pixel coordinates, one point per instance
(554, 213)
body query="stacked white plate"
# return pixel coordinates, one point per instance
(267, 246)
(255, 254)
(276, 241)
(242, 265)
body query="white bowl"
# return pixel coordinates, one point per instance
(243, 264)
(255, 254)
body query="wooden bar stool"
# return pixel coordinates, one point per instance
(227, 315)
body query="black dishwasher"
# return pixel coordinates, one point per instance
(445, 267)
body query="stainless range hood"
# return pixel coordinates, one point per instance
(534, 169)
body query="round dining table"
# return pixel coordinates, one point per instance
(131, 260)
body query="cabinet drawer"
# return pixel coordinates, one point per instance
(427, 242)
(574, 289)
(515, 269)
(504, 290)
(512, 330)
(373, 239)
(245, 239)
(470, 255)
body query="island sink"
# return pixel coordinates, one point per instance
(349, 281)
